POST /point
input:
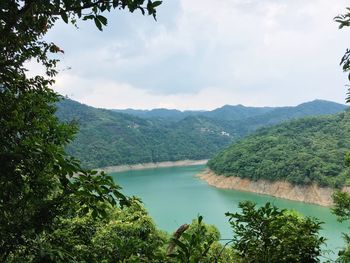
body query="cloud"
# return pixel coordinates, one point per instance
(236, 51)
(109, 94)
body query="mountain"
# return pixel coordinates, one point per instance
(164, 114)
(254, 116)
(278, 115)
(301, 151)
(227, 112)
(111, 137)
(237, 112)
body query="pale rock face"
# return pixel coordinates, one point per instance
(142, 166)
(312, 194)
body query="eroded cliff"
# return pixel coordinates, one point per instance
(309, 194)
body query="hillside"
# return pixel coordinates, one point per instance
(109, 137)
(300, 151)
(278, 115)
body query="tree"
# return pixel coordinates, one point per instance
(198, 242)
(39, 184)
(270, 235)
(342, 199)
(344, 21)
(342, 210)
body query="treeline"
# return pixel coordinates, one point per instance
(108, 137)
(129, 235)
(301, 151)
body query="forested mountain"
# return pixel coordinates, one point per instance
(109, 137)
(165, 114)
(227, 112)
(301, 151)
(278, 115)
(260, 116)
(237, 112)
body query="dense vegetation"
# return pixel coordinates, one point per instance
(267, 234)
(52, 210)
(112, 138)
(40, 185)
(300, 151)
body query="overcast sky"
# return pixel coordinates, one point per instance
(202, 54)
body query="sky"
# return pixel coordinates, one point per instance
(203, 54)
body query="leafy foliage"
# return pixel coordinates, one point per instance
(342, 199)
(342, 210)
(39, 182)
(341, 205)
(124, 235)
(301, 152)
(270, 235)
(52, 210)
(199, 243)
(344, 21)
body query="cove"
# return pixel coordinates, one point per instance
(174, 196)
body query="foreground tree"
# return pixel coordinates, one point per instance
(39, 184)
(125, 235)
(270, 235)
(342, 210)
(342, 199)
(344, 21)
(198, 242)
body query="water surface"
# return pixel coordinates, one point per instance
(174, 196)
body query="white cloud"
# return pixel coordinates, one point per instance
(106, 94)
(204, 54)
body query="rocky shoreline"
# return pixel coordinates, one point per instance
(312, 194)
(142, 166)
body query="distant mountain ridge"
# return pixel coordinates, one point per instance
(111, 137)
(237, 112)
(226, 112)
(281, 114)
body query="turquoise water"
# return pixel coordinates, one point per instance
(174, 196)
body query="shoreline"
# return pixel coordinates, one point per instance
(311, 194)
(143, 166)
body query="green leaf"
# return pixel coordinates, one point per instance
(142, 10)
(64, 17)
(98, 24)
(88, 17)
(180, 244)
(102, 19)
(156, 3)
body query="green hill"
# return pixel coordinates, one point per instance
(109, 137)
(300, 151)
(281, 114)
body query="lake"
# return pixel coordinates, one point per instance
(174, 196)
